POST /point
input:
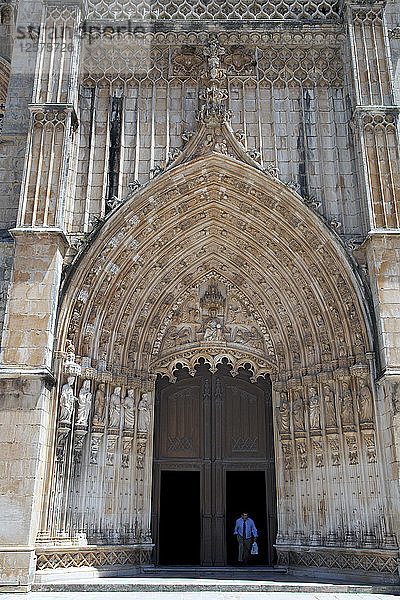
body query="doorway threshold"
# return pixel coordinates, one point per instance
(200, 572)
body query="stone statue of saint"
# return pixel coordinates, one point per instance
(347, 411)
(313, 400)
(67, 401)
(129, 410)
(213, 332)
(283, 414)
(114, 412)
(330, 412)
(99, 405)
(365, 403)
(84, 403)
(144, 413)
(298, 412)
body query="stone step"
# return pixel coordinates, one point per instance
(209, 584)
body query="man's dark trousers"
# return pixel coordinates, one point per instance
(244, 548)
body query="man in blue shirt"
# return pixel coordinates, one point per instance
(246, 533)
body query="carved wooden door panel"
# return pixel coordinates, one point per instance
(211, 423)
(180, 413)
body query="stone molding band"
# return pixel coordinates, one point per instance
(94, 556)
(379, 561)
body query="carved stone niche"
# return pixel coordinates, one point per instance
(95, 441)
(334, 448)
(302, 453)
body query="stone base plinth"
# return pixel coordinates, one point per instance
(339, 564)
(17, 569)
(86, 559)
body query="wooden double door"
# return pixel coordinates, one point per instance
(213, 459)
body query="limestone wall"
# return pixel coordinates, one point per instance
(6, 261)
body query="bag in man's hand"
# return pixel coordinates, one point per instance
(254, 548)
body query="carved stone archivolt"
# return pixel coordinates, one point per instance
(213, 261)
(158, 253)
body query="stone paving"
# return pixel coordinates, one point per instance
(195, 596)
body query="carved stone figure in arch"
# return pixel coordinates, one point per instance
(284, 413)
(365, 404)
(129, 410)
(314, 407)
(330, 410)
(114, 418)
(298, 412)
(84, 403)
(214, 331)
(67, 401)
(144, 413)
(99, 414)
(347, 407)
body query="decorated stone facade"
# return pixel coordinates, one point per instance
(189, 185)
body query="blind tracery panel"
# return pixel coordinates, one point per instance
(214, 10)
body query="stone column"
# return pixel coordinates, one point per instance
(26, 410)
(375, 122)
(144, 457)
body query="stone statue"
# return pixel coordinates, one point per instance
(84, 403)
(129, 410)
(144, 413)
(283, 414)
(114, 412)
(213, 332)
(298, 412)
(330, 412)
(365, 403)
(67, 401)
(140, 452)
(70, 352)
(100, 405)
(347, 411)
(302, 454)
(315, 417)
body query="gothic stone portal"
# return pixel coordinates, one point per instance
(228, 271)
(215, 433)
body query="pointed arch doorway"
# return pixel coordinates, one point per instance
(213, 459)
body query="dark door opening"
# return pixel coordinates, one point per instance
(245, 492)
(213, 458)
(179, 540)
